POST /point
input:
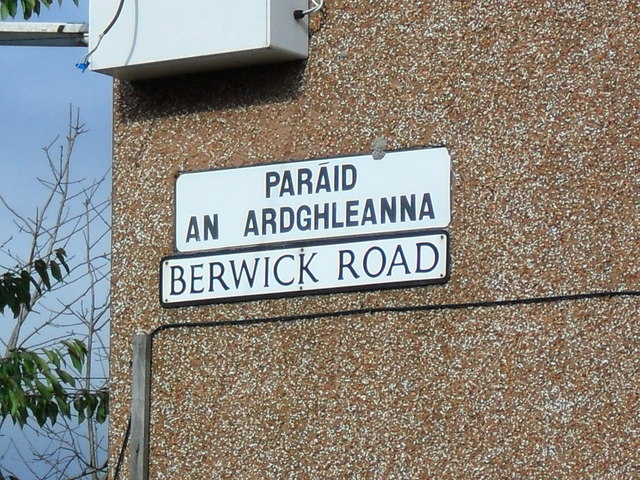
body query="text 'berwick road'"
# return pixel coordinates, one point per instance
(410, 260)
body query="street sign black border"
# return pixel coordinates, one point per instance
(297, 161)
(324, 291)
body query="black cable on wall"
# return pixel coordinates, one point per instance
(373, 311)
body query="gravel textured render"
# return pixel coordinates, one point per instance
(538, 103)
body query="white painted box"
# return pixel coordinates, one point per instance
(154, 38)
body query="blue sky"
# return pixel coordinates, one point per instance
(37, 85)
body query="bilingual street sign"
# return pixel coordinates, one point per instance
(337, 265)
(406, 191)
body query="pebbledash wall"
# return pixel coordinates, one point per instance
(538, 105)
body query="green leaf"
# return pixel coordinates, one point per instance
(3, 299)
(79, 404)
(77, 363)
(40, 414)
(13, 7)
(46, 392)
(65, 409)
(61, 255)
(82, 348)
(4, 9)
(41, 267)
(26, 9)
(91, 403)
(53, 356)
(16, 401)
(102, 412)
(54, 382)
(42, 364)
(29, 363)
(77, 351)
(26, 275)
(14, 305)
(23, 290)
(31, 389)
(55, 271)
(65, 377)
(53, 412)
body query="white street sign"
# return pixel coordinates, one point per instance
(338, 266)
(406, 191)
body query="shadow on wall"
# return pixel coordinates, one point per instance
(200, 92)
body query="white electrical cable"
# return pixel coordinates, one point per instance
(84, 61)
(317, 6)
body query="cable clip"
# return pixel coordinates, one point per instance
(83, 66)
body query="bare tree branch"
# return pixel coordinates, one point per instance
(74, 214)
